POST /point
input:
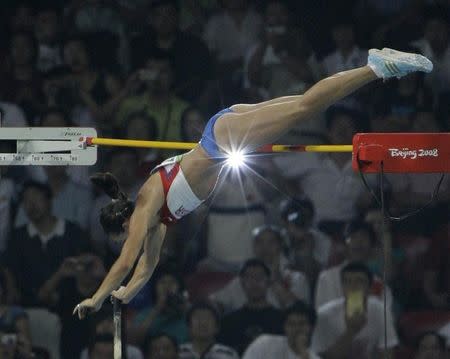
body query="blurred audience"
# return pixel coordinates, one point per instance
(286, 286)
(48, 31)
(164, 37)
(76, 278)
(298, 326)
(158, 99)
(435, 46)
(283, 62)
(204, 326)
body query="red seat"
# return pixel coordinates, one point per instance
(201, 284)
(413, 324)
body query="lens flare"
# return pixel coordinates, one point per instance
(235, 159)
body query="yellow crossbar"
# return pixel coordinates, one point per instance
(190, 145)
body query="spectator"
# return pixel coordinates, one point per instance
(352, 326)
(309, 247)
(7, 196)
(298, 326)
(21, 82)
(192, 72)
(11, 114)
(13, 347)
(104, 326)
(36, 249)
(257, 316)
(161, 346)
(360, 239)
(47, 29)
(140, 126)
(435, 46)
(123, 164)
(70, 201)
(159, 99)
(346, 56)
(399, 102)
(204, 326)
(103, 24)
(98, 90)
(283, 63)
(436, 277)
(167, 315)
(13, 317)
(430, 345)
(328, 179)
(286, 286)
(101, 347)
(192, 124)
(76, 278)
(229, 33)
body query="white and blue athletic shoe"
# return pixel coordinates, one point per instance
(389, 63)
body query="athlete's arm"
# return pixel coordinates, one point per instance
(149, 201)
(145, 267)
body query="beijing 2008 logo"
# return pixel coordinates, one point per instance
(406, 153)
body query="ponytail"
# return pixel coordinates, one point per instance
(113, 215)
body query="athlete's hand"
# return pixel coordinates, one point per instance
(122, 295)
(86, 307)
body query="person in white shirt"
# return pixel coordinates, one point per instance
(346, 56)
(360, 239)
(204, 323)
(298, 326)
(286, 285)
(436, 46)
(352, 326)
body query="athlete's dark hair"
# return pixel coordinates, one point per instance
(113, 215)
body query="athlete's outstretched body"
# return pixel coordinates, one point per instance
(177, 187)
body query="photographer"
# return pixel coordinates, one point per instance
(76, 278)
(167, 315)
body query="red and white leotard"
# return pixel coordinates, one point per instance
(180, 200)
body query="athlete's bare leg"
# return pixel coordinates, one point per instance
(254, 128)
